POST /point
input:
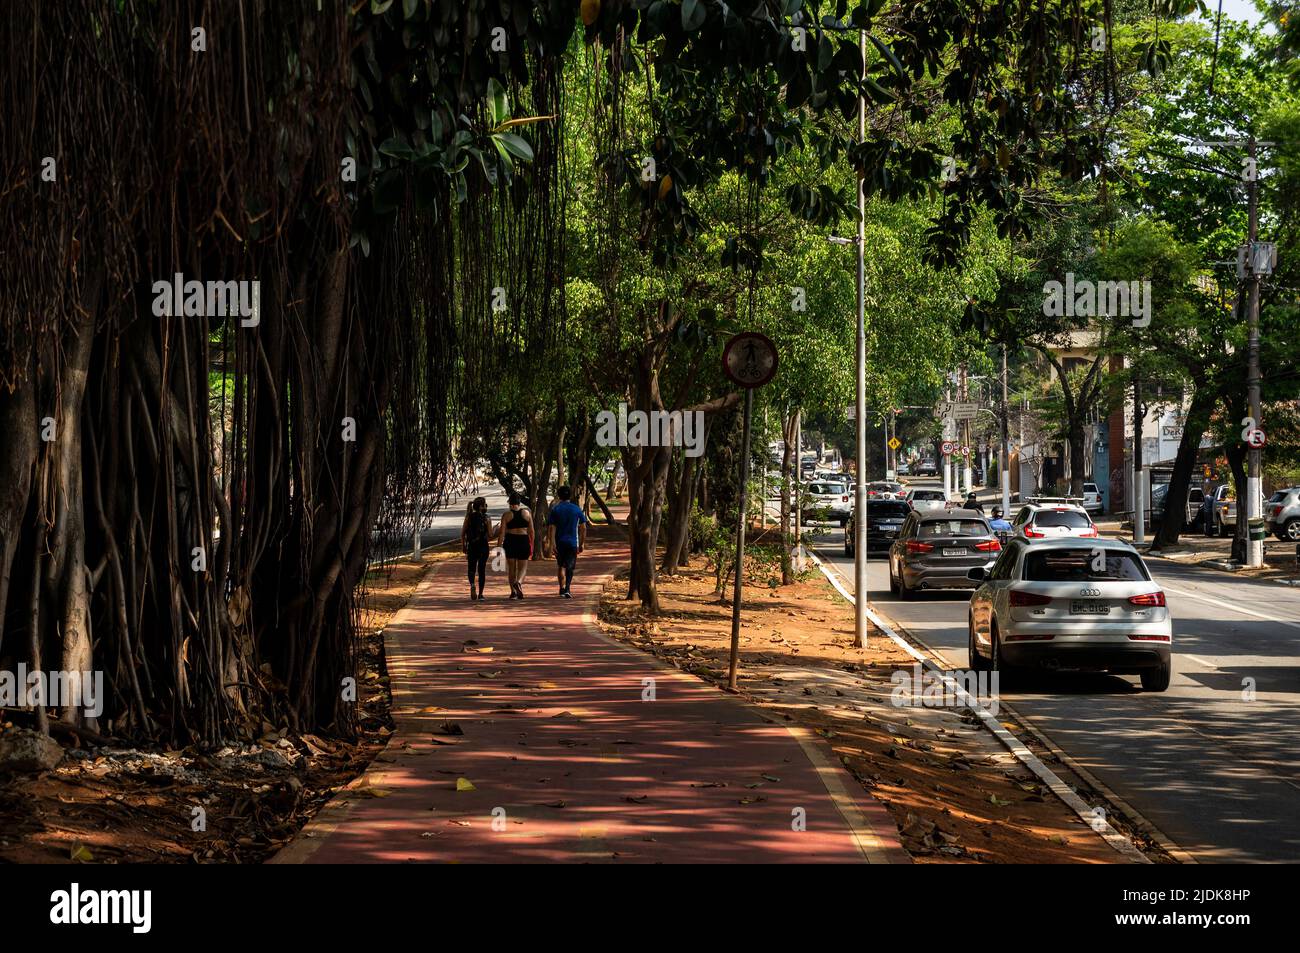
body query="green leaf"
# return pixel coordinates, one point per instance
(516, 145)
(380, 7)
(409, 7)
(498, 104)
(888, 54)
(397, 148)
(693, 15)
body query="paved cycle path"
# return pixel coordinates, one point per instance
(525, 735)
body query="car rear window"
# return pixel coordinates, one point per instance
(1090, 488)
(887, 508)
(953, 528)
(1069, 518)
(1080, 565)
(824, 489)
(928, 495)
(1279, 496)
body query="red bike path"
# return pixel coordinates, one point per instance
(578, 749)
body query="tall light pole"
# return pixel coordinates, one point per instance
(1006, 443)
(1254, 547)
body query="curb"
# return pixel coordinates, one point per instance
(1026, 757)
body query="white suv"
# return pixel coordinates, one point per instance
(1092, 498)
(1051, 520)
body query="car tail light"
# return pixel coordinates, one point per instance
(917, 547)
(1020, 599)
(844, 499)
(1033, 637)
(1031, 533)
(1091, 533)
(1147, 599)
(1150, 638)
(989, 546)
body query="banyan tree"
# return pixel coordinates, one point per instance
(188, 490)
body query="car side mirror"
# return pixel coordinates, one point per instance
(978, 574)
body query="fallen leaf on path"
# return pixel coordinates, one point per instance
(464, 784)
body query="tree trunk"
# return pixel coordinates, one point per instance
(1198, 416)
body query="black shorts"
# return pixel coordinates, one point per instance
(566, 555)
(516, 546)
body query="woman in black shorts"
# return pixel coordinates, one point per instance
(516, 537)
(475, 539)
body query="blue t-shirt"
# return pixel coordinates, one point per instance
(565, 517)
(999, 525)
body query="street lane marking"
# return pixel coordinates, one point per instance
(1013, 744)
(1197, 659)
(1235, 608)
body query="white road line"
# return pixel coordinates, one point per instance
(1228, 605)
(1013, 744)
(1197, 659)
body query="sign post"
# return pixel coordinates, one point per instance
(749, 360)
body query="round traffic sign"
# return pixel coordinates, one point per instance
(1256, 438)
(947, 448)
(749, 359)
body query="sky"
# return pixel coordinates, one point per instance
(1236, 9)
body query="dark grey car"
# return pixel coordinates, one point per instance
(936, 549)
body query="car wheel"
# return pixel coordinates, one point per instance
(978, 663)
(848, 550)
(905, 592)
(996, 664)
(893, 580)
(1157, 679)
(1291, 530)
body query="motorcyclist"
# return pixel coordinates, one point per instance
(997, 523)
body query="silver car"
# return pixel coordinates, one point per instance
(1073, 605)
(1282, 513)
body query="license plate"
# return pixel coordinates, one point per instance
(954, 552)
(1088, 607)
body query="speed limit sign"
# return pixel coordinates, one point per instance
(948, 447)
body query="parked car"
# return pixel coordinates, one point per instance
(927, 468)
(904, 469)
(884, 521)
(936, 549)
(1191, 510)
(1220, 511)
(832, 501)
(922, 499)
(1092, 499)
(1045, 520)
(1064, 605)
(1282, 514)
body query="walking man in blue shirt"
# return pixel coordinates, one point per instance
(566, 529)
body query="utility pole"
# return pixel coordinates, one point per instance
(1257, 262)
(1005, 467)
(1139, 485)
(860, 486)
(1254, 547)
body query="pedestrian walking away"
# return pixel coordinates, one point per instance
(475, 539)
(516, 536)
(566, 532)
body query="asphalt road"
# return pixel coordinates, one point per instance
(442, 525)
(1208, 764)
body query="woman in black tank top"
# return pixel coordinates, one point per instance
(516, 537)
